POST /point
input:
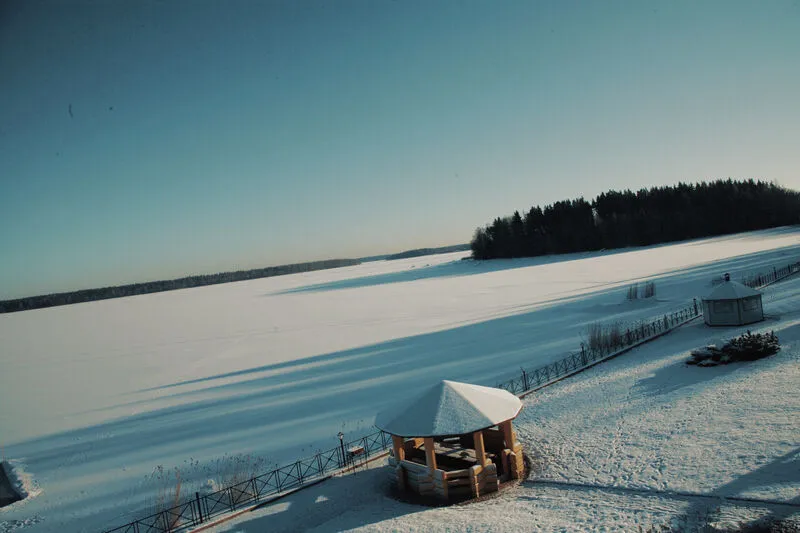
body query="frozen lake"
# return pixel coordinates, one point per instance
(96, 395)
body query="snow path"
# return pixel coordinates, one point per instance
(104, 392)
(641, 442)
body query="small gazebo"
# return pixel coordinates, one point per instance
(454, 441)
(732, 304)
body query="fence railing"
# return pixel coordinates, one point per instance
(765, 278)
(614, 337)
(610, 339)
(203, 507)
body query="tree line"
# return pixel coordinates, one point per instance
(88, 295)
(617, 219)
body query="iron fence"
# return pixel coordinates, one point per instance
(204, 507)
(613, 338)
(762, 279)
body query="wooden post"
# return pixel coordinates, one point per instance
(508, 434)
(506, 464)
(474, 481)
(480, 449)
(400, 474)
(397, 447)
(430, 454)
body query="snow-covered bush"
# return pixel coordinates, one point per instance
(747, 347)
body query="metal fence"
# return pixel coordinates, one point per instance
(616, 337)
(204, 507)
(765, 278)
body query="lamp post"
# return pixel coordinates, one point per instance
(341, 444)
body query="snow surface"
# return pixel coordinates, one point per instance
(449, 408)
(95, 396)
(731, 290)
(638, 443)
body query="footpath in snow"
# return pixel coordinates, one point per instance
(639, 443)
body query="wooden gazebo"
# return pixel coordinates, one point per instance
(454, 441)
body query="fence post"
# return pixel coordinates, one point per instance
(341, 446)
(199, 509)
(256, 495)
(525, 379)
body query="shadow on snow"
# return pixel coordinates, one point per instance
(471, 267)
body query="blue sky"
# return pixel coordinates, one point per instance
(207, 135)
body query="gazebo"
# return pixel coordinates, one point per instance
(732, 304)
(454, 441)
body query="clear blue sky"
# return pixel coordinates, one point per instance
(215, 135)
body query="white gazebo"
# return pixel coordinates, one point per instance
(455, 440)
(732, 304)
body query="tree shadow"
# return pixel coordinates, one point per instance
(783, 470)
(457, 268)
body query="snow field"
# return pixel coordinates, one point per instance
(104, 392)
(639, 443)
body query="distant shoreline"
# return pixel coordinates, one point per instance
(28, 303)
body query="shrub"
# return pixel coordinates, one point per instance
(633, 291)
(167, 492)
(604, 337)
(747, 347)
(648, 290)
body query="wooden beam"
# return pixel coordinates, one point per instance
(397, 446)
(430, 454)
(508, 434)
(480, 449)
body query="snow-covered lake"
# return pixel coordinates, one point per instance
(94, 396)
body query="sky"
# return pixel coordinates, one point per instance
(161, 138)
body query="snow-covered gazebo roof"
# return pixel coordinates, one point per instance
(450, 408)
(731, 290)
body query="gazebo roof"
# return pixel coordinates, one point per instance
(731, 290)
(449, 408)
